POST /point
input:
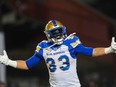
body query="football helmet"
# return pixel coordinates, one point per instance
(55, 32)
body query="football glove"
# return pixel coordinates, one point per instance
(113, 45)
(112, 48)
(6, 61)
(4, 58)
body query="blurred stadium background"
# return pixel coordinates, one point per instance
(21, 28)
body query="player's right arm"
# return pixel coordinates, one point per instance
(20, 64)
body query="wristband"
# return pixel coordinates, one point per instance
(108, 50)
(12, 63)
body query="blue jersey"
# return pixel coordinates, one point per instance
(60, 61)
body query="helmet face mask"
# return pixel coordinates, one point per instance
(55, 32)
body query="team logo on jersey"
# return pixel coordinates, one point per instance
(74, 44)
(38, 48)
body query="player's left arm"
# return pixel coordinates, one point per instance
(98, 51)
(102, 51)
(89, 51)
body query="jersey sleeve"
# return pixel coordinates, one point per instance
(84, 50)
(80, 48)
(36, 58)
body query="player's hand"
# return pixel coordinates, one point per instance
(113, 45)
(4, 58)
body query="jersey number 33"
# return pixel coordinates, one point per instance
(52, 64)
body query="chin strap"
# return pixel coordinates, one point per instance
(69, 37)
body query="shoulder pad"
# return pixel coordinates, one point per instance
(41, 45)
(75, 41)
(45, 41)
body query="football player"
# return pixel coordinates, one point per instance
(60, 55)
